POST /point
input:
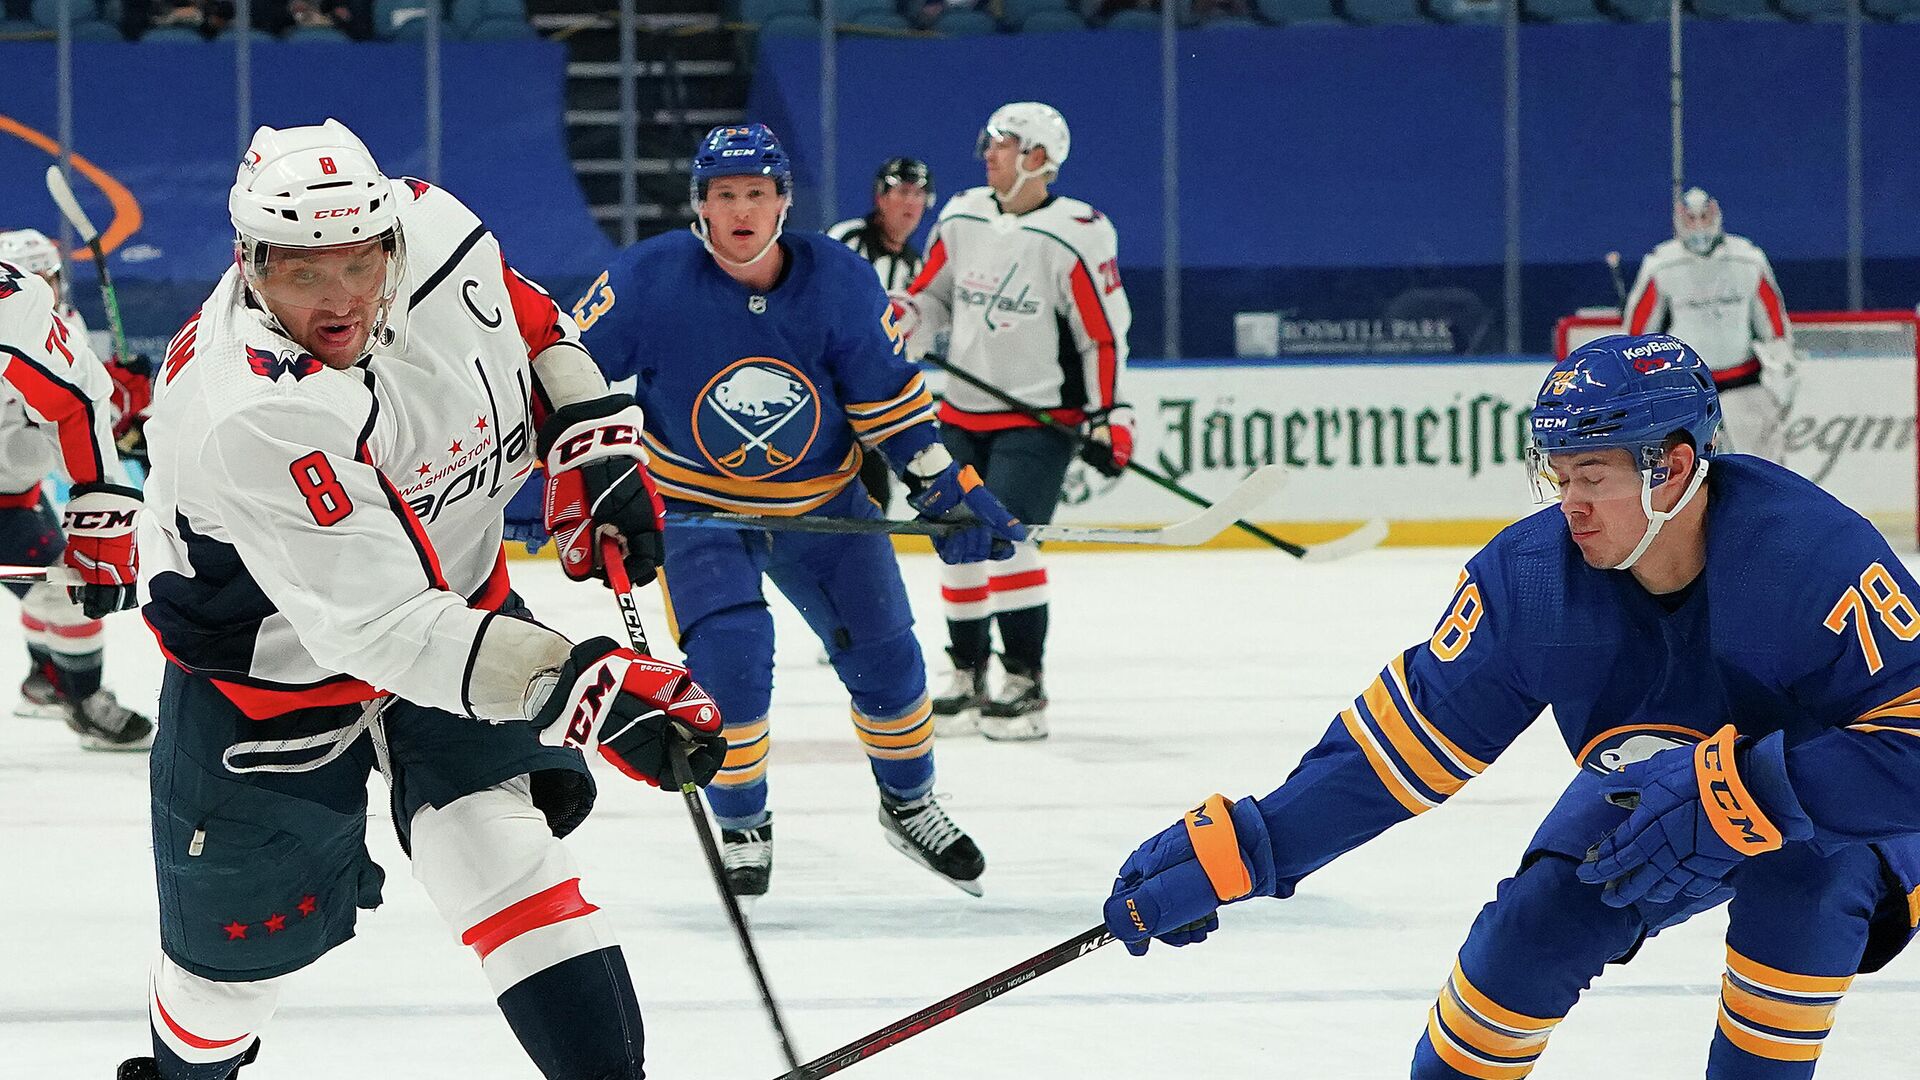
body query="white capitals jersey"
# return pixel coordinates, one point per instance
(316, 536)
(1719, 303)
(1033, 305)
(55, 396)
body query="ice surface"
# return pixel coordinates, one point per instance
(1173, 675)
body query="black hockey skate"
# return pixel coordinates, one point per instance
(104, 724)
(145, 1068)
(957, 712)
(920, 830)
(1019, 712)
(747, 856)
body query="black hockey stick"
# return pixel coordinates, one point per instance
(1198, 529)
(949, 1007)
(611, 555)
(1366, 536)
(33, 575)
(62, 193)
(1619, 283)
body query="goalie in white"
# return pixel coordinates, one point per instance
(1716, 292)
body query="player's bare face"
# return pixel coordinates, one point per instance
(1002, 155)
(327, 299)
(742, 212)
(1599, 494)
(901, 206)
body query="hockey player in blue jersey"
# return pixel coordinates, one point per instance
(1734, 663)
(768, 366)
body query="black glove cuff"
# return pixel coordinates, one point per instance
(110, 489)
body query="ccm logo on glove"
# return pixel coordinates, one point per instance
(1730, 809)
(569, 451)
(100, 519)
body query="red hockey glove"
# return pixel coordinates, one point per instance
(636, 709)
(597, 478)
(1108, 440)
(100, 521)
(132, 394)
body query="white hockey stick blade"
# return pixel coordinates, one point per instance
(1364, 538)
(53, 575)
(1251, 493)
(62, 193)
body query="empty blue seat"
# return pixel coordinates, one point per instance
(1384, 11)
(1735, 9)
(498, 30)
(759, 11)
(1639, 10)
(1015, 12)
(95, 30)
(791, 26)
(469, 13)
(1296, 11)
(1562, 10)
(318, 35)
(47, 12)
(1133, 19)
(1816, 9)
(176, 34)
(1891, 9)
(1041, 22)
(1230, 22)
(880, 19)
(965, 21)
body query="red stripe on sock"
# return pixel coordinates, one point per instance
(963, 596)
(1010, 582)
(189, 1037)
(86, 629)
(544, 908)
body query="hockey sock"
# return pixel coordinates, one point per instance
(202, 1029)
(972, 641)
(738, 794)
(1772, 1022)
(77, 677)
(1023, 634)
(579, 1019)
(900, 749)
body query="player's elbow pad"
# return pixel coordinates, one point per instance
(1230, 843)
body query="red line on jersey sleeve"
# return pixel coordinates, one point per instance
(1643, 311)
(936, 259)
(1770, 299)
(64, 405)
(410, 524)
(534, 312)
(180, 349)
(1087, 299)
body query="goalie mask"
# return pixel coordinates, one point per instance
(318, 239)
(1696, 221)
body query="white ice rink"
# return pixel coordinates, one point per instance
(1173, 675)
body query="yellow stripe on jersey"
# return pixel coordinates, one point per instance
(1913, 907)
(1389, 774)
(1904, 707)
(914, 392)
(1398, 668)
(1915, 732)
(785, 498)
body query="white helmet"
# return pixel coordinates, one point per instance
(1033, 124)
(30, 250)
(310, 187)
(1696, 221)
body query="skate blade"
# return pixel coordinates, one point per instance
(971, 888)
(28, 710)
(1016, 731)
(960, 724)
(138, 746)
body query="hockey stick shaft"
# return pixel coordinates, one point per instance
(31, 575)
(62, 193)
(1198, 529)
(1049, 420)
(949, 1007)
(616, 568)
(1619, 283)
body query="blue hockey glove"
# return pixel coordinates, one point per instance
(1699, 813)
(954, 493)
(527, 513)
(1170, 887)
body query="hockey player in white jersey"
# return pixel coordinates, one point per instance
(55, 415)
(1027, 285)
(1716, 292)
(334, 437)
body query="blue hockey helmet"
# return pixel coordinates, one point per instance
(1631, 392)
(740, 150)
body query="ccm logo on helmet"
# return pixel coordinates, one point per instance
(343, 211)
(570, 451)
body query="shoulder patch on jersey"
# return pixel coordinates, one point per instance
(1090, 217)
(9, 280)
(419, 187)
(270, 366)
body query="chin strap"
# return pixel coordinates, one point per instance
(699, 227)
(1658, 518)
(1022, 174)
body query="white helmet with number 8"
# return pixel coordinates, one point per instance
(303, 189)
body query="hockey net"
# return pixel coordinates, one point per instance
(1851, 427)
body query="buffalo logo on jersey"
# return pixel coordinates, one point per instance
(757, 418)
(270, 367)
(1616, 748)
(9, 281)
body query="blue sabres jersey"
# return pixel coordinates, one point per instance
(1804, 621)
(757, 402)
